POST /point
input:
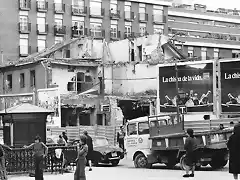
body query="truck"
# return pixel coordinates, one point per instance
(160, 139)
(189, 95)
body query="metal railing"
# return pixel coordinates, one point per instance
(21, 160)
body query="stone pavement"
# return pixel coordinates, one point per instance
(126, 171)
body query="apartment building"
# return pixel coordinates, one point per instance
(28, 26)
(205, 33)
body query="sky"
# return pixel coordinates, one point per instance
(214, 4)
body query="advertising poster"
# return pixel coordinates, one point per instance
(7, 101)
(195, 87)
(230, 86)
(50, 99)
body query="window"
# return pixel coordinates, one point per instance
(58, 5)
(58, 23)
(127, 10)
(41, 4)
(204, 53)
(41, 44)
(78, 27)
(142, 12)
(22, 80)
(143, 128)
(58, 39)
(114, 27)
(158, 29)
(216, 53)
(41, 22)
(23, 21)
(132, 129)
(158, 13)
(9, 82)
(76, 84)
(78, 3)
(24, 4)
(32, 78)
(128, 30)
(96, 7)
(190, 51)
(113, 6)
(24, 46)
(142, 29)
(95, 29)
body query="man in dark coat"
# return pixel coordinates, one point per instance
(90, 149)
(234, 149)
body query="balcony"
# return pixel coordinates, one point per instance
(129, 35)
(59, 8)
(78, 32)
(97, 33)
(115, 35)
(79, 10)
(24, 28)
(97, 12)
(42, 29)
(24, 51)
(114, 15)
(42, 6)
(159, 19)
(143, 17)
(129, 16)
(24, 5)
(59, 30)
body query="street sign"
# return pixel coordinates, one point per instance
(182, 109)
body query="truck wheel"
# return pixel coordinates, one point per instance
(183, 164)
(141, 161)
(218, 163)
(115, 162)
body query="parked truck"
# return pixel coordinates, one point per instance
(160, 139)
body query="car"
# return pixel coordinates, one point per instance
(103, 152)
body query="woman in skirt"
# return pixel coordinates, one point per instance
(191, 155)
(81, 159)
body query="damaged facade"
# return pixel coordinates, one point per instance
(70, 69)
(131, 64)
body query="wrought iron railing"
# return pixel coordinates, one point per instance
(21, 160)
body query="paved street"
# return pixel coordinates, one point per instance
(126, 171)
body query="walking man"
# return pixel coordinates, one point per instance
(65, 137)
(90, 149)
(120, 138)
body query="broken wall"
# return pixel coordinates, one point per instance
(61, 76)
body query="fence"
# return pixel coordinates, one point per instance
(73, 132)
(204, 125)
(21, 160)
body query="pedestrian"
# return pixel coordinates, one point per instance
(233, 145)
(81, 159)
(40, 151)
(3, 171)
(191, 154)
(120, 138)
(65, 136)
(90, 149)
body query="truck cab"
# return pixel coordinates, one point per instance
(137, 140)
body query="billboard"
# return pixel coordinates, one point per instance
(50, 99)
(230, 86)
(11, 100)
(195, 87)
